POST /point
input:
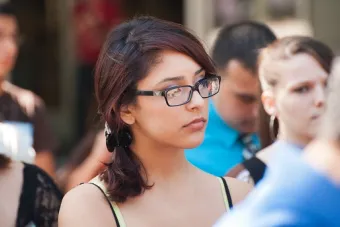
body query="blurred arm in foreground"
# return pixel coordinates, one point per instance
(299, 190)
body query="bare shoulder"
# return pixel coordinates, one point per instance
(238, 189)
(265, 154)
(85, 205)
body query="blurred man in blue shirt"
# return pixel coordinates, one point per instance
(299, 190)
(229, 137)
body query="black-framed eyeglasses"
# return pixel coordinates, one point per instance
(180, 95)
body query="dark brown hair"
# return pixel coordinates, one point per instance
(4, 161)
(241, 41)
(129, 52)
(7, 9)
(280, 50)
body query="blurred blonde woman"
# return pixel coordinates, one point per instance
(293, 72)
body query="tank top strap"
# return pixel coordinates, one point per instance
(114, 207)
(226, 193)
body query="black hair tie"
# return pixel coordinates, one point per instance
(113, 140)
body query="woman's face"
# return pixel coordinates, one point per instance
(300, 96)
(171, 126)
(8, 43)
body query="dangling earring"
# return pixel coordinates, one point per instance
(271, 127)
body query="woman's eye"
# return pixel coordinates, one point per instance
(170, 86)
(203, 81)
(201, 78)
(174, 92)
(326, 84)
(302, 89)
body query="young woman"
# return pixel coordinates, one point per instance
(293, 72)
(152, 82)
(28, 195)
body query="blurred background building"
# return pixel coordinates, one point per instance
(50, 62)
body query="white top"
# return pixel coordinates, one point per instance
(16, 141)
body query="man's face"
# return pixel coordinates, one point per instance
(238, 99)
(8, 44)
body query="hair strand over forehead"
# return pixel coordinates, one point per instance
(288, 47)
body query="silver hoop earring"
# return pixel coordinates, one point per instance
(271, 127)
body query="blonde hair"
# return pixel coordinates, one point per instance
(286, 48)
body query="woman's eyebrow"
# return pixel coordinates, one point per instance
(178, 78)
(199, 71)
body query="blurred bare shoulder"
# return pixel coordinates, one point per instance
(85, 205)
(241, 173)
(265, 154)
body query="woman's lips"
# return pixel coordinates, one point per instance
(197, 124)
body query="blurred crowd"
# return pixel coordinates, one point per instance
(244, 132)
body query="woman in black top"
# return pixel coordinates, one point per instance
(28, 195)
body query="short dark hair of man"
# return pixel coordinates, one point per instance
(241, 41)
(7, 9)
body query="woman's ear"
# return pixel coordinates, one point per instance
(126, 114)
(268, 101)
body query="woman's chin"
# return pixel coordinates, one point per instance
(194, 142)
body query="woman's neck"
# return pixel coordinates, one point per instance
(266, 153)
(161, 162)
(300, 141)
